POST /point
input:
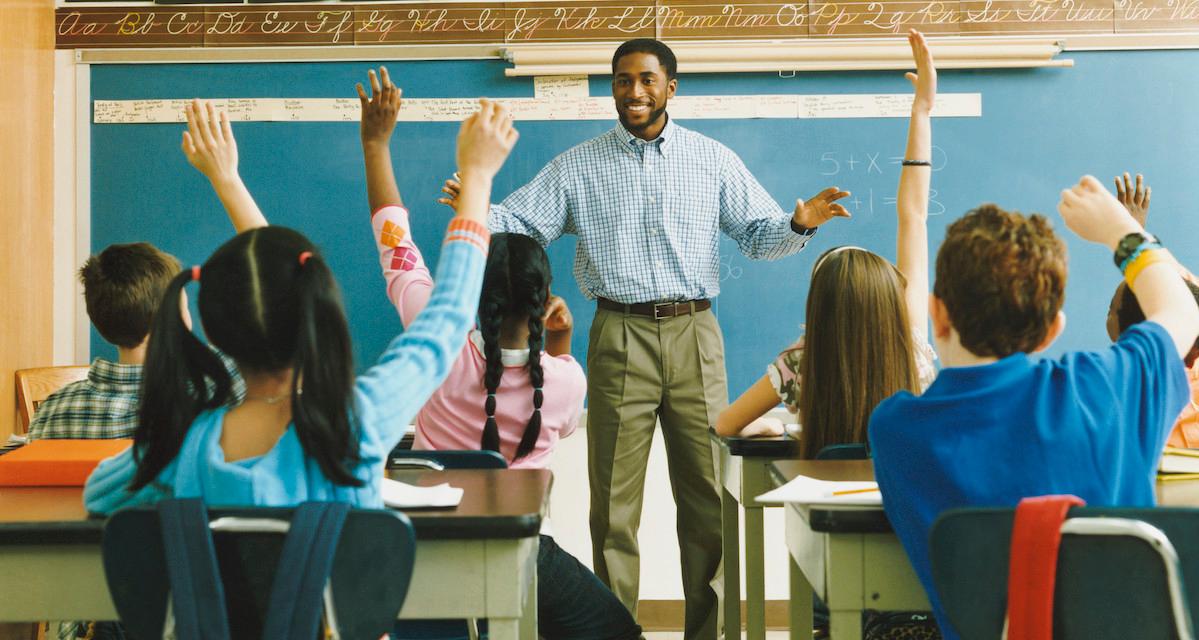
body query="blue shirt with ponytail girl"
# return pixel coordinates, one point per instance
(308, 430)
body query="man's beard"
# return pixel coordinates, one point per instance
(653, 117)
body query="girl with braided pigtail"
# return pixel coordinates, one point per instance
(514, 387)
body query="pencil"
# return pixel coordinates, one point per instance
(849, 491)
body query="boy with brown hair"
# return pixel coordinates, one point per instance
(122, 286)
(997, 426)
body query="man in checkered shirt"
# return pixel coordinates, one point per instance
(648, 201)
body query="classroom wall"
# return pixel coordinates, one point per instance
(26, 192)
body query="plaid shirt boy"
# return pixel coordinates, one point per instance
(102, 406)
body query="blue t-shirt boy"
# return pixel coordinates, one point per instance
(1091, 424)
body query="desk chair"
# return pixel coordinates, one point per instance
(844, 452)
(35, 385)
(440, 461)
(361, 590)
(1121, 573)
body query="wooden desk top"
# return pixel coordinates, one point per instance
(1181, 493)
(783, 446)
(496, 503)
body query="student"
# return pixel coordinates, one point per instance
(504, 392)
(867, 321)
(1125, 312)
(307, 429)
(122, 286)
(997, 425)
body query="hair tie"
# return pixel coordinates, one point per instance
(195, 273)
(304, 256)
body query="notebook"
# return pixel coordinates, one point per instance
(401, 495)
(805, 490)
(56, 463)
(1178, 460)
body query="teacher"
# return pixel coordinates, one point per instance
(648, 201)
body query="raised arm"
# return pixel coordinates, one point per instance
(417, 362)
(409, 283)
(912, 199)
(1096, 215)
(379, 111)
(211, 148)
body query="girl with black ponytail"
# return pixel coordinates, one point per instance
(514, 387)
(307, 430)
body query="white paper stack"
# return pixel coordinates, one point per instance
(400, 495)
(805, 490)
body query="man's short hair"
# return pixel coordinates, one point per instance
(656, 48)
(1002, 278)
(123, 286)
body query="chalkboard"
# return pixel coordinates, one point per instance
(1039, 131)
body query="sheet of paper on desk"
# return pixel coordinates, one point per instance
(400, 495)
(805, 490)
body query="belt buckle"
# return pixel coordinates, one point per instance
(662, 305)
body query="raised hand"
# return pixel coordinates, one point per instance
(557, 315)
(208, 142)
(1135, 200)
(821, 208)
(451, 189)
(380, 108)
(485, 140)
(924, 81)
(1095, 214)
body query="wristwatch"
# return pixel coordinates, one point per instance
(1129, 243)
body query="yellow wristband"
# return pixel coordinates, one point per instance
(1153, 256)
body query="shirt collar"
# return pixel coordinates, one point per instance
(959, 380)
(114, 377)
(666, 138)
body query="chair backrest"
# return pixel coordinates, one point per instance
(1109, 585)
(843, 452)
(439, 460)
(371, 571)
(35, 385)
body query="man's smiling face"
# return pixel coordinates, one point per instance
(641, 90)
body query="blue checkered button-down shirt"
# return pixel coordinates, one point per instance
(649, 214)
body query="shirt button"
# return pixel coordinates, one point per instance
(653, 232)
(651, 200)
(658, 263)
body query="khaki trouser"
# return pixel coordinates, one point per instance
(639, 371)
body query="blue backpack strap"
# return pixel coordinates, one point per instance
(294, 609)
(197, 594)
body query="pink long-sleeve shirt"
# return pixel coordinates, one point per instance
(453, 417)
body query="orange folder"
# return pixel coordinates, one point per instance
(56, 463)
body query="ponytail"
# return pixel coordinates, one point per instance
(536, 310)
(490, 319)
(322, 384)
(515, 285)
(181, 378)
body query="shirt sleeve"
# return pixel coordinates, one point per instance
(390, 393)
(540, 209)
(107, 488)
(751, 217)
(409, 284)
(784, 375)
(1147, 379)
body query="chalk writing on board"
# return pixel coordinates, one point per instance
(834, 163)
(729, 271)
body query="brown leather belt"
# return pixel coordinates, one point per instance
(656, 310)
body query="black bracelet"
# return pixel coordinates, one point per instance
(917, 163)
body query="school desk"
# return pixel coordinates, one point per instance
(744, 475)
(851, 557)
(476, 561)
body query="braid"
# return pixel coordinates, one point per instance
(536, 310)
(490, 319)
